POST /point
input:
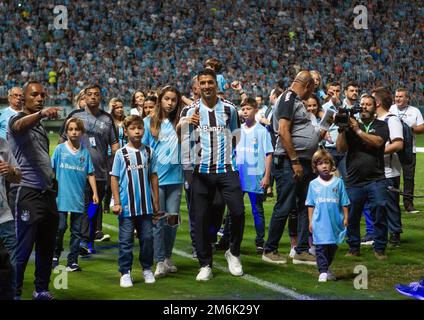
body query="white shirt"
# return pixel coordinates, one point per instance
(410, 115)
(392, 165)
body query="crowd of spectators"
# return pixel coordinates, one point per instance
(128, 45)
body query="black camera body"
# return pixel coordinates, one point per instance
(341, 119)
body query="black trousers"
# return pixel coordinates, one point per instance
(409, 181)
(96, 222)
(204, 188)
(37, 221)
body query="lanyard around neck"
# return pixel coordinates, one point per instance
(367, 127)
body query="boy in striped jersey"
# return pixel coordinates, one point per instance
(134, 180)
(216, 122)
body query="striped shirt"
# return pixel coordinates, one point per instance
(215, 137)
(133, 168)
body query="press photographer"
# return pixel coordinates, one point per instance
(364, 143)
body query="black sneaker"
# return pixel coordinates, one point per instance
(84, 250)
(73, 267)
(101, 237)
(42, 295)
(259, 249)
(367, 240)
(394, 239)
(411, 209)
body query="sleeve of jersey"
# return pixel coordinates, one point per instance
(54, 159)
(117, 164)
(310, 198)
(13, 120)
(113, 134)
(153, 168)
(285, 106)
(395, 128)
(90, 167)
(344, 199)
(267, 143)
(420, 120)
(235, 120)
(146, 136)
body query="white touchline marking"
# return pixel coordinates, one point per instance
(263, 283)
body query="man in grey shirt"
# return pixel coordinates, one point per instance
(100, 133)
(297, 141)
(34, 198)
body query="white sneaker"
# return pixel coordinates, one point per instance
(323, 277)
(234, 264)
(292, 253)
(148, 276)
(170, 266)
(312, 251)
(331, 276)
(126, 280)
(160, 269)
(205, 274)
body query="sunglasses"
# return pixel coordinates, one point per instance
(171, 219)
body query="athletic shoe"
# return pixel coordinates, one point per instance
(367, 240)
(411, 209)
(42, 295)
(353, 253)
(274, 257)
(55, 262)
(73, 267)
(101, 237)
(394, 240)
(304, 258)
(259, 249)
(414, 289)
(205, 274)
(170, 266)
(126, 281)
(312, 251)
(380, 255)
(148, 276)
(331, 276)
(84, 250)
(292, 253)
(160, 269)
(234, 264)
(323, 277)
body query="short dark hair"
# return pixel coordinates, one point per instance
(368, 96)
(351, 84)
(385, 97)
(133, 119)
(214, 63)
(27, 84)
(249, 102)
(207, 72)
(277, 91)
(92, 86)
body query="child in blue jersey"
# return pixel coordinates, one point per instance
(134, 183)
(72, 165)
(160, 134)
(327, 203)
(254, 158)
(216, 65)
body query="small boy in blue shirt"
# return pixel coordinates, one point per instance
(134, 183)
(216, 65)
(327, 203)
(72, 164)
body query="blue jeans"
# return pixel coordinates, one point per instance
(144, 226)
(8, 237)
(325, 254)
(76, 222)
(164, 235)
(376, 194)
(291, 194)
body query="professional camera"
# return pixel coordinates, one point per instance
(341, 118)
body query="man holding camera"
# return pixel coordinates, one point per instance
(365, 143)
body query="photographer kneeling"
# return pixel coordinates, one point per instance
(364, 143)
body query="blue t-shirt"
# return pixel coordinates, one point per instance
(5, 116)
(221, 82)
(71, 171)
(327, 198)
(254, 145)
(167, 150)
(133, 168)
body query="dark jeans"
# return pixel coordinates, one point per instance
(325, 254)
(90, 227)
(36, 224)
(144, 227)
(76, 221)
(8, 238)
(204, 191)
(339, 161)
(408, 181)
(376, 194)
(256, 200)
(291, 194)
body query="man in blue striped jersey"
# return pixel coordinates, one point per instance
(215, 130)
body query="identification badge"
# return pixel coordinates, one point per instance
(92, 141)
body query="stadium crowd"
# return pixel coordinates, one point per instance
(124, 45)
